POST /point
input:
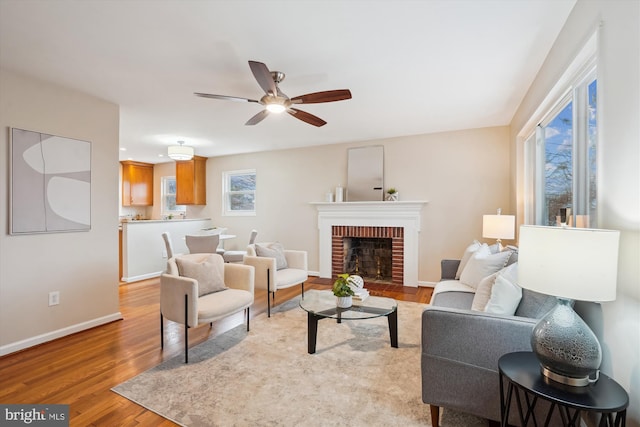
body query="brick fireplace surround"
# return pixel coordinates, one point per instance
(396, 234)
(398, 220)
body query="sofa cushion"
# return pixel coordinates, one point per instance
(208, 271)
(470, 250)
(535, 305)
(505, 297)
(273, 250)
(482, 264)
(457, 300)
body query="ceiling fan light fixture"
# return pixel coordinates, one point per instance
(276, 108)
(180, 152)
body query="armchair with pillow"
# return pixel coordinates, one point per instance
(276, 268)
(202, 288)
(477, 314)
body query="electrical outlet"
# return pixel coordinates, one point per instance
(54, 298)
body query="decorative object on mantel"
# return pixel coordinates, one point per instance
(180, 151)
(392, 195)
(339, 193)
(343, 292)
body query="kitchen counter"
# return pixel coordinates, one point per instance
(165, 220)
(143, 252)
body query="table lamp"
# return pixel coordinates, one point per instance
(570, 264)
(498, 227)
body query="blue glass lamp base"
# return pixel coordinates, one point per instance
(568, 350)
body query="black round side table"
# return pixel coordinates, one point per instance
(521, 370)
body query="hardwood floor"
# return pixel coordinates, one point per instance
(80, 369)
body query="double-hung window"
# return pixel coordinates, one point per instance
(169, 207)
(560, 158)
(239, 192)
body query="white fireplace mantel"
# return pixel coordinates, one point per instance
(404, 214)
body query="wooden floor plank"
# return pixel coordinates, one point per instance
(80, 369)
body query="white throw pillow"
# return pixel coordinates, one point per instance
(273, 250)
(471, 249)
(483, 292)
(505, 297)
(483, 264)
(209, 273)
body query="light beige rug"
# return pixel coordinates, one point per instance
(266, 377)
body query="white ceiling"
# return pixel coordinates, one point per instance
(413, 67)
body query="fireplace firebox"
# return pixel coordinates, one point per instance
(375, 253)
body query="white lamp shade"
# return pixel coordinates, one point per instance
(574, 263)
(180, 152)
(498, 226)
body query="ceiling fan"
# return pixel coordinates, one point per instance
(275, 101)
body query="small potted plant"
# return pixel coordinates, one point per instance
(342, 291)
(392, 195)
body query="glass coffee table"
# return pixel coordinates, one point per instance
(322, 305)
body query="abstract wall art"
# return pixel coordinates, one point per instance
(50, 188)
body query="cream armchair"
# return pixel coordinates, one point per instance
(181, 302)
(270, 278)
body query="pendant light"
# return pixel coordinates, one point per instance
(180, 152)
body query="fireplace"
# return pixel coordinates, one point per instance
(398, 221)
(376, 252)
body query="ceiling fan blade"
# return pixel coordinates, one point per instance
(326, 96)
(257, 118)
(306, 117)
(225, 97)
(263, 76)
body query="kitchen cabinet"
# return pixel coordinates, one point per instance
(137, 183)
(191, 179)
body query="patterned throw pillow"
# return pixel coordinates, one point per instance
(273, 250)
(209, 272)
(470, 250)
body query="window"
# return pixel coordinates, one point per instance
(169, 206)
(561, 158)
(239, 192)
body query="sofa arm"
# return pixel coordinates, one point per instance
(473, 338)
(296, 259)
(239, 276)
(264, 266)
(172, 292)
(448, 269)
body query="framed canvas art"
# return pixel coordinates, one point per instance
(50, 188)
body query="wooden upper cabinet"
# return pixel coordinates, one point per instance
(137, 183)
(191, 181)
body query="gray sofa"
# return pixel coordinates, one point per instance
(461, 347)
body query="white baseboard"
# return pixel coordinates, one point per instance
(141, 277)
(50, 336)
(422, 284)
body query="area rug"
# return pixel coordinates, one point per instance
(265, 377)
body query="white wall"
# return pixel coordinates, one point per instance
(618, 168)
(462, 174)
(82, 266)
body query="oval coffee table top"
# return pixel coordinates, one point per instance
(323, 304)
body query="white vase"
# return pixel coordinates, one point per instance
(344, 302)
(392, 197)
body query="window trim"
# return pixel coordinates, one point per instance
(583, 65)
(226, 175)
(576, 93)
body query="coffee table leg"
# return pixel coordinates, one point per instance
(393, 327)
(312, 332)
